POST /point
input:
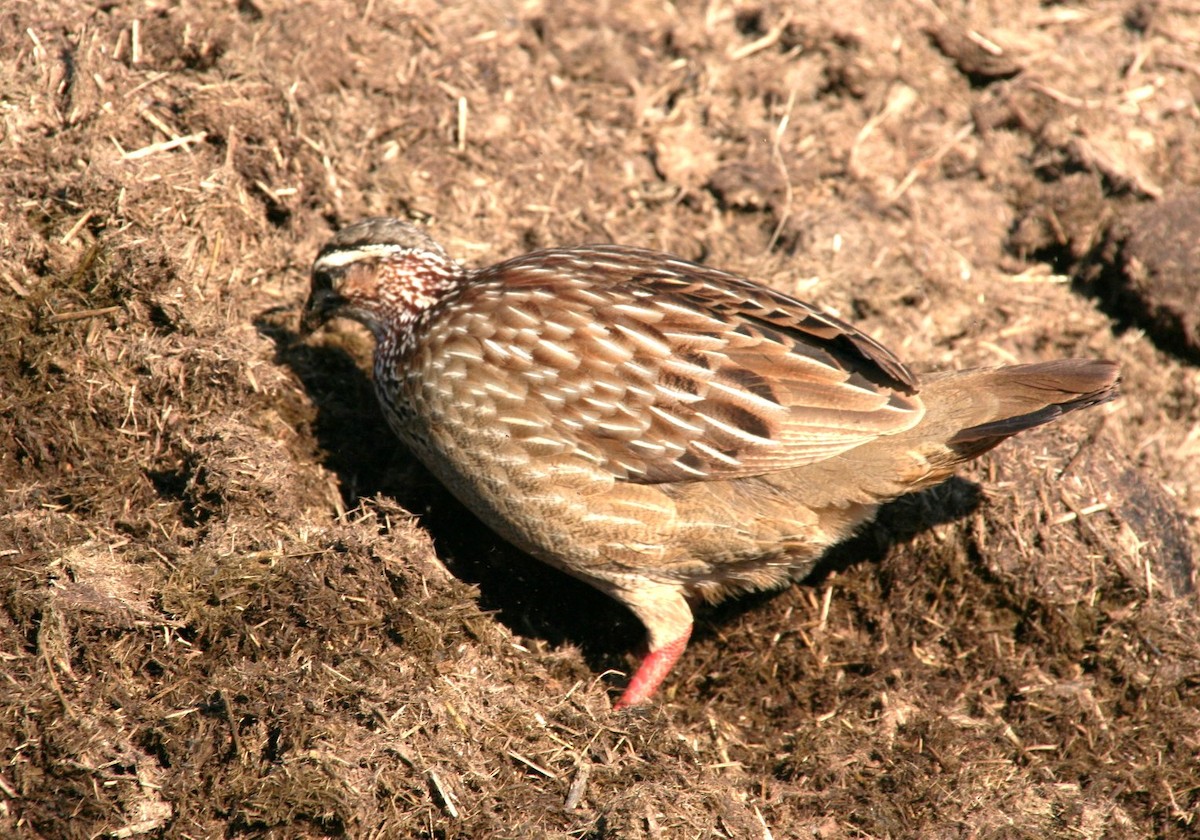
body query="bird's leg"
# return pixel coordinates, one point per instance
(654, 668)
(668, 620)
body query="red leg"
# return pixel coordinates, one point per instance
(653, 671)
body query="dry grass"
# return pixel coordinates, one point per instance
(231, 605)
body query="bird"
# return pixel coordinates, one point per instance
(666, 431)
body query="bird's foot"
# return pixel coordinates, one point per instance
(653, 671)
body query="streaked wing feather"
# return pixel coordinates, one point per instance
(670, 371)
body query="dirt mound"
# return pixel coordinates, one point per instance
(231, 604)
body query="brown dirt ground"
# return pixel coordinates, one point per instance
(231, 605)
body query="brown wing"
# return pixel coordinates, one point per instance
(662, 370)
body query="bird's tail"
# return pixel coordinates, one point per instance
(1005, 401)
(1008, 400)
(967, 413)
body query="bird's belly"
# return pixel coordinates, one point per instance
(554, 505)
(713, 538)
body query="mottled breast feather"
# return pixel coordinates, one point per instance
(663, 371)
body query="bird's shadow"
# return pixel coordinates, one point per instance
(530, 598)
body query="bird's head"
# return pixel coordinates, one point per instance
(381, 272)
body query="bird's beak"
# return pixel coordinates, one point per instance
(322, 305)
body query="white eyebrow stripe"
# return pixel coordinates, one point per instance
(341, 257)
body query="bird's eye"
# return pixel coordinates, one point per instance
(323, 278)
